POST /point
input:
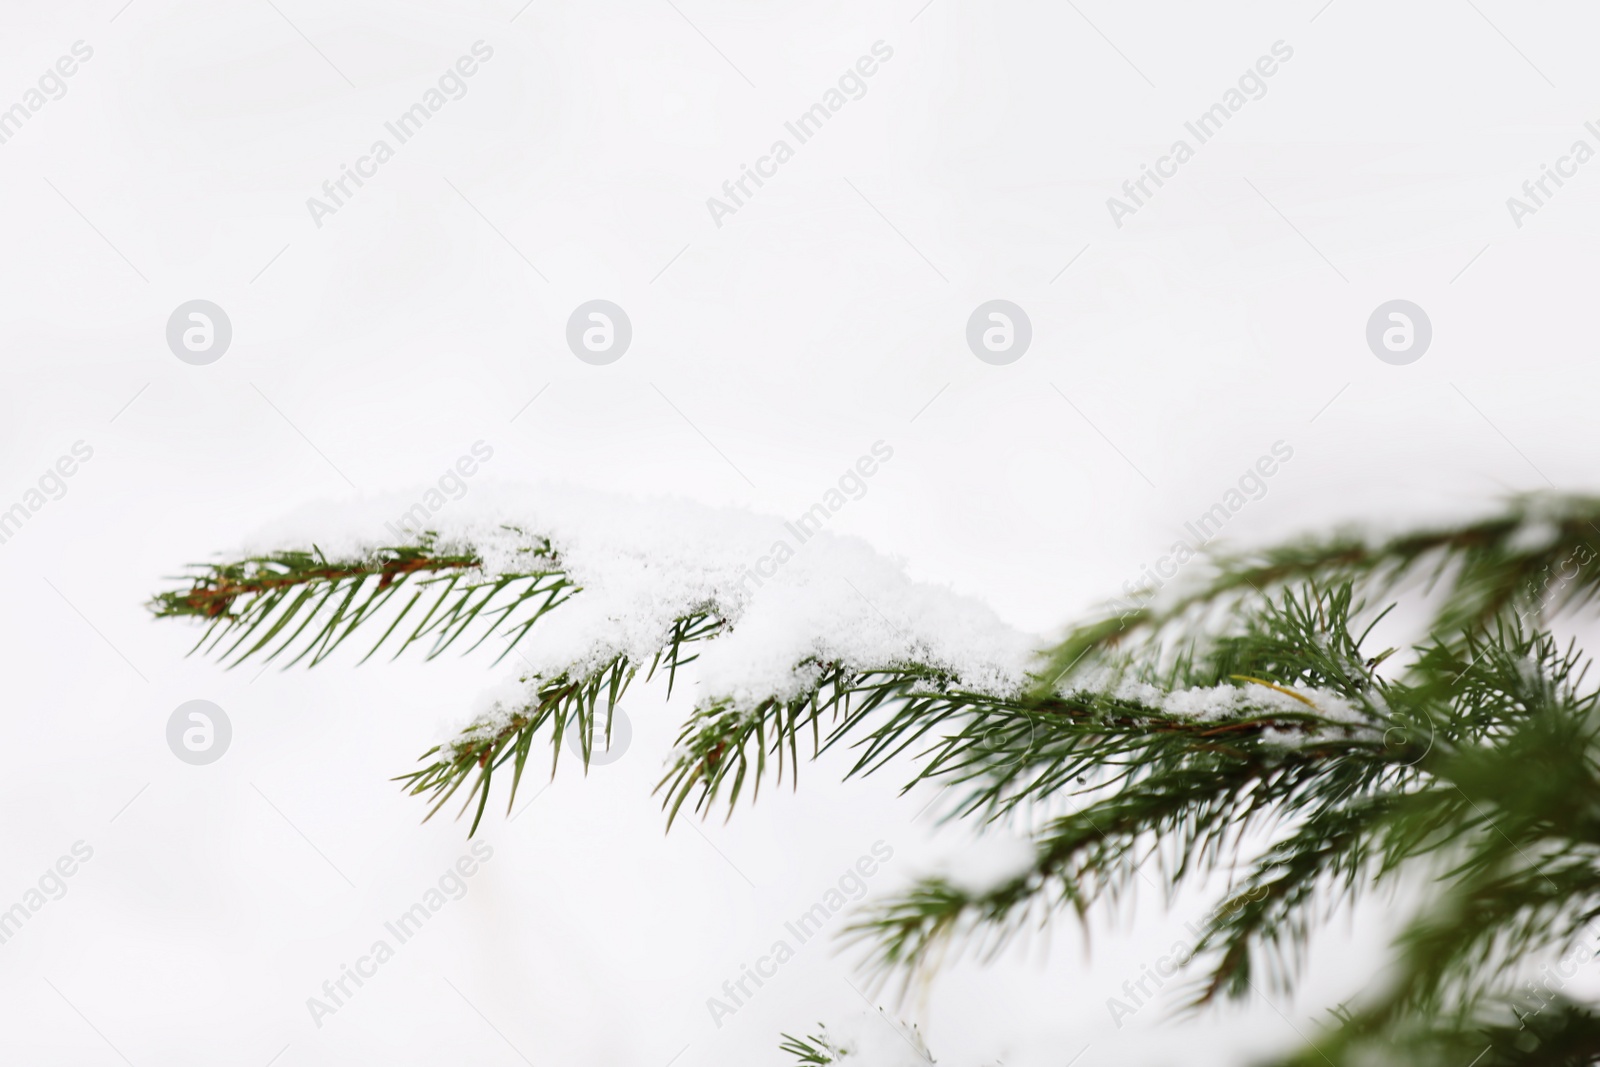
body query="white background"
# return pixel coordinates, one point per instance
(828, 313)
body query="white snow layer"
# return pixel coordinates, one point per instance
(1533, 536)
(875, 1041)
(1223, 701)
(788, 594)
(1209, 703)
(987, 863)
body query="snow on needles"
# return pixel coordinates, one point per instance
(1339, 715)
(642, 565)
(874, 1040)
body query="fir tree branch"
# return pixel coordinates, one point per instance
(582, 702)
(1419, 770)
(1179, 730)
(1482, 570)
(814, 1050)
(723, 747)
(299, 600)
(1538, 1029)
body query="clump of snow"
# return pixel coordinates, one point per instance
(788, 597)
(987, 863)
(1533, 535)
(875, 1041)
(839, 601)
(502, 699)
(1531, 670)
(495, 706)
(1221, 701)
(1341, 718)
